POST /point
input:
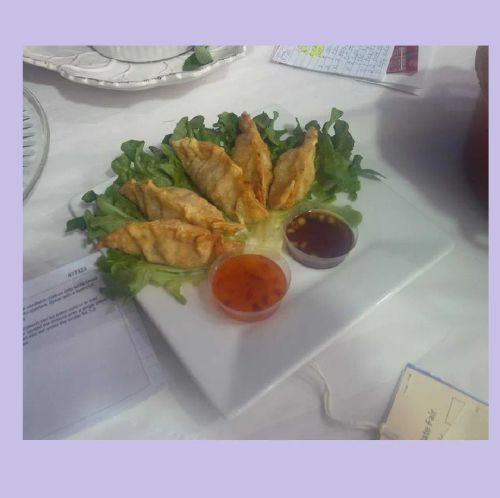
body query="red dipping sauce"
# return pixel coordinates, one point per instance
(250, 287)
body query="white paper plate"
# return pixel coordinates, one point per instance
(235, 363)
(36, 138)
(85, 65)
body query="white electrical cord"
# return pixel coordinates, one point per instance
(327, 405)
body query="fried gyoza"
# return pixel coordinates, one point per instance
(294, 173)
(252, 154)
(170, 242)
(219, 179)
(176, 203)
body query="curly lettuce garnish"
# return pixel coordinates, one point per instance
(338, 170)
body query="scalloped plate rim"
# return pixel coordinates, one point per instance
(164, 80)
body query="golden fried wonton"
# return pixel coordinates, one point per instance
(252, 154)
(294, 173)
(176, 203)
(219, 179)
(170, 242)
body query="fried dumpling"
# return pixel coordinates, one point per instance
(219, 179)
(176, 203)
(294, 173)
(252, 154)
(170, 242)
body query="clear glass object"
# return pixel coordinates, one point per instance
(36, 138)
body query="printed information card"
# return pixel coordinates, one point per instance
(84, 357)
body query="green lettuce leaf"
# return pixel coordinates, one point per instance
(336, 169)
(113, 196)
(271, 136)
(200, 57)
(203, 55)
(295, 137)
(89, 197)
(342, 140)
(112, 211)
(125, 275)
(77, 223)
(129, 148)
(194, 128)
(121, 166)
(162, 166)
(226, 129)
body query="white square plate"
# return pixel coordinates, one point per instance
(235, 363)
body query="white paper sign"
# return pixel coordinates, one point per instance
(85, 357)
(427, 408)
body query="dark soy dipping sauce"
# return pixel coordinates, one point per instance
(320, 233)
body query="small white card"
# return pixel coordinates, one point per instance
(424, 407)
(84, 357)
(359, 61)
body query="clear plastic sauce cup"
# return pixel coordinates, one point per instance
(318, 237)
(250, 287)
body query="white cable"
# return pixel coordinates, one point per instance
(327, 405)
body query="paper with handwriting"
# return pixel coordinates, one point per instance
(358, 61)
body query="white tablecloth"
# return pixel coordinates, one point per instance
(438, 322)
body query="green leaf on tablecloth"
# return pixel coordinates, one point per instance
(89, 197)
(77, 223)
